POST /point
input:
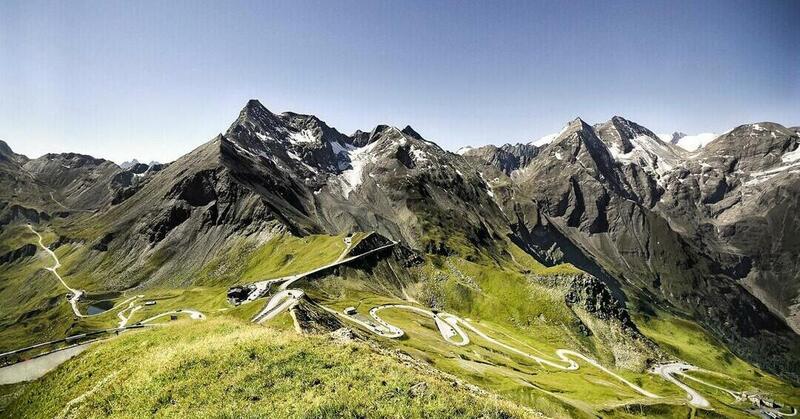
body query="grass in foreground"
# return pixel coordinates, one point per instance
(227, 368)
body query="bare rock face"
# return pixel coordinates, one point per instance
(77, 181)
(19, 253)
(506, 158)
(595, 297)
(344, 334)
(311, 319)
(603, 315)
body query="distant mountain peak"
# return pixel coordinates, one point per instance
(257, 114)
(411, 132)
(620, 133)
(255, 105)
(676, 136)
(128, 164)
(575, 126)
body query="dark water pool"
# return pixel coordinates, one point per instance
(99, 307)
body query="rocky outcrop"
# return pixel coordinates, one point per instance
(311, 319)
(371, 242)
(506, 158)
(602, 315)
(594, 296)
(19, 214)
(19, 253)
(76, 181)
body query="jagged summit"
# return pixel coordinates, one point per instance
(620, 132)
(411, 132)
(676, 137)
(254, 105)
(5, 151)
(4, 147)
(257, 118)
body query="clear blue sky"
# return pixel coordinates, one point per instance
(154, 79)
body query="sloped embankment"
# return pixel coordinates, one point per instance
(228, 368)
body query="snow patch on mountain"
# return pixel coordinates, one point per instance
(304, 136)
(547, 139)
(791, 156)
(352, 177)
(790, 163)
(294, 156)
(652, 155)
(419, 155)
(464, 149)
(695, 142)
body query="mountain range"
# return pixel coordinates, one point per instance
(703, 229)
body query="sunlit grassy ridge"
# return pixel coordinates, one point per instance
(280, 256)
(227, 368)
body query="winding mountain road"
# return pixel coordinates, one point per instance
(448, 325)
(668, 371)
(287, 298)
(76, 294)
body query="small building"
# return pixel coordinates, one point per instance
(150, 303)
(350, 311)
(173, 317)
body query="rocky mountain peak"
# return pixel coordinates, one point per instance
(128, 164)
(619, 133)
(411, 132)
(378, 131)
(576, 128)
(759, 129)
(506, 158)
(255, 106)
(676, 137)
(5, 151)
(256, 117)
(360, 138)
(577, 124)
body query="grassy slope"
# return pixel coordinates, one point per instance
(32, 303)
(33, 306)
(228, 368)
(688, 341)
(526, 316)
(531, 316)
(495, 294)
(280, 256)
